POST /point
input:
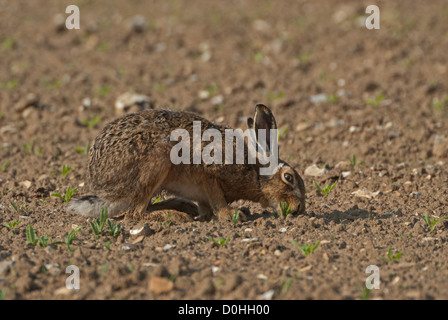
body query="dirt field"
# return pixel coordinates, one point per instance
(368, 107)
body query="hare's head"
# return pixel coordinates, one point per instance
(286, 186)
(283, 184)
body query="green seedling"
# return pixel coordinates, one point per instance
(305, 58)
(104, 268)
(393, 257)
(10, 84)
(333, 98)
(114, 229)
(213, 89)
(159, 87)
(12, 225)
(306, 249)
(3, 294)
(18, 208)
(103, 91)
(84, 150)
(68, 194)
(64, 172)
(5, 166)
(157, 200)
(92, 122)
(14, 206)
(285, 209)
(376, 101)
(432, 222)
(8, 44)
(273, 96)
(52, 85)
(220, 242)
(325, 191)
(353, 161)
(32, 238)
(440, 104)
(70, 238)
(103, 46)
(28, 147)
(365, 294)
(236, 216)
(97, 226)
(283, 133)
(258, 57)
(166, 224)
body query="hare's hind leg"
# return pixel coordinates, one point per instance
(177, 204)
(145, 187)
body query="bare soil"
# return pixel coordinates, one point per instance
(385, 101)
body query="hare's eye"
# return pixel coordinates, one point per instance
(288, 177)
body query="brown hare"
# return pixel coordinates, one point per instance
(130, 161)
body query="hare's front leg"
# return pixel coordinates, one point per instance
(217, 203)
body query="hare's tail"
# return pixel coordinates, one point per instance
(91, 206)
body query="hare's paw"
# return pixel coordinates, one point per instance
(233, 215)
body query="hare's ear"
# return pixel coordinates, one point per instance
(264, 119)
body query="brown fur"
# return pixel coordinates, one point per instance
(129, 162)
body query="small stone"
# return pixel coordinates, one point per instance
(203, 94)
(402, 165)
(53, 268)
(345, 174)
(353, 129)
(343, 165)
(268, 295)
(261, 277)
(302, 126)
(86, 102)
(250, 240)
(160, 285)
(315, 171)
(138, 240)
(26, 184)
(5, 266)
(429, 239)
(140, 231)
(128, 247)
(282, 230)
(408, 186)
(261, 25)
(63, 291)
(220, 119)
(322, 97)
(138, 23)
(168, 247)
(248, 230)
(365, 193)
(132, 102)
(217, 100)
